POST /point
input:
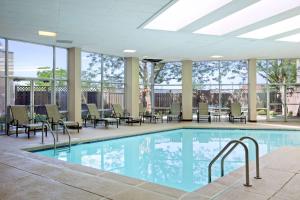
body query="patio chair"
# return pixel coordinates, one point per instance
(142, 110)
(20, 119)
(55, 118)
(175, 112)
(203, 112)
(119, 113)
(148, 115)
(236, 113)
(94, 116)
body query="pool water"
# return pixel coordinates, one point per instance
(177, 158)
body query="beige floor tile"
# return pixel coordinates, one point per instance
(121, 178)
(139, 194)
(36, 188)
(211, 190)
(271, 182)
(194, 196)
(291, 190)
(162, 190)
(237, 194)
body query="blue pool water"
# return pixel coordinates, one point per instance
(177, 158)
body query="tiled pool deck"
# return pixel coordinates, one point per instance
(24, 175)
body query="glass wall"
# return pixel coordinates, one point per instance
(2, 84)
(31, 60)
(102, 79)
(165, 80)
(220, 83)
(278, 86)
(167, 85)
(91, 78)
(113, 81)
(35, 78)
(146, 84)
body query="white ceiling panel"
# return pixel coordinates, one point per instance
(110, 26)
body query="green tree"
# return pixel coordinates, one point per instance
(278, 71)
(113, 69)
(46, 73)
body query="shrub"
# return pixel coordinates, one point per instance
(273, 113)
(261, 112)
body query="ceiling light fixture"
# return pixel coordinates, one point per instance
(254, 13)
(274, 29)
(184, 12)
(216, 56)
(47, 33)
(291, 38)
(129, 51)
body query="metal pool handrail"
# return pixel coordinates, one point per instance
(256, 155)
(66, 129)
(223, 150)
(45, 123)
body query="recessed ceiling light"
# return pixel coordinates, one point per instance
(216, 56)
(184, 12)
(129, 51)
(274, 29)
(254, 13)
(47, 34)
(291, 38)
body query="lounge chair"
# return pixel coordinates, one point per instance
(142, 110)
(203, 112)
(94, 116)
(20, 119)
(175, 112)
(119, 113)
(236, 113)
(55, 118)
(145, 114)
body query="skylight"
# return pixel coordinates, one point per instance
(184, 12)
(291, 38)
(254, 13)
(274, 29)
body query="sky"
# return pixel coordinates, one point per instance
(27, 58)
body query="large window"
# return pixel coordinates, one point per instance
(278, 89)
(32, 78)
(220, 83)
(162, 78)
(102, 79)
(2, 84)
(30, 60)
(113, 80)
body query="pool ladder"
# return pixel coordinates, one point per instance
(236, 143)
(55, 139)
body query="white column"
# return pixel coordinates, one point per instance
(132, 86)
(187, 90)
(252, 90)
(74, 80)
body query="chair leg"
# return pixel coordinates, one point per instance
(7, 128)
